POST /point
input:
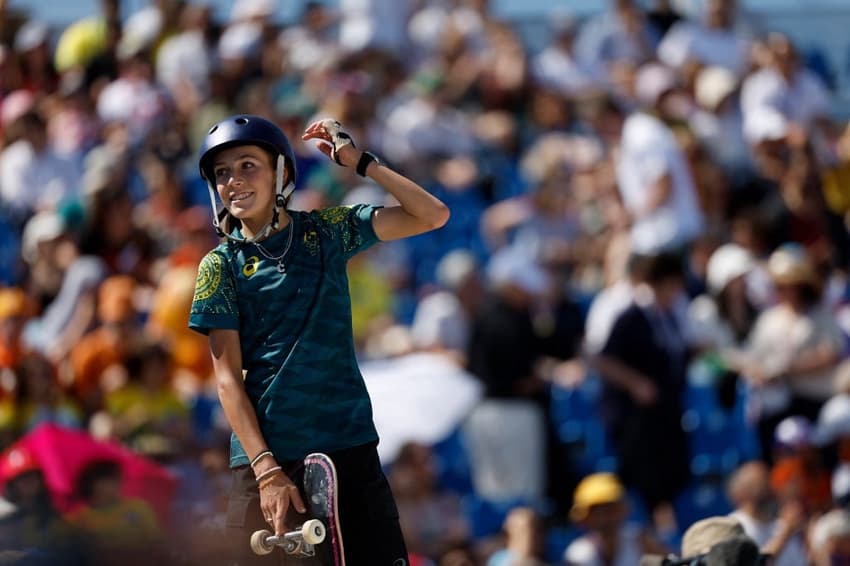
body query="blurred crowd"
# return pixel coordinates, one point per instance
(653, 203)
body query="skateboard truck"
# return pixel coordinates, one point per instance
(301, 541)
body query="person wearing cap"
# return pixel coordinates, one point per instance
(794, 348)
(718, 122)
(37, 71)
(274, 301)
(643, 366)
(600, 509)
(722, 318)
(721, 538)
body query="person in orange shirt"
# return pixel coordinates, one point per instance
(106, 346)
(799, 473)
(15, 308)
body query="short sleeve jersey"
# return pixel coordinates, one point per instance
(299, 367)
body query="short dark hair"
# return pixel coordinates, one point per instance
(662, 267)
(94, 472)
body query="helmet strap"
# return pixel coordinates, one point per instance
(281, 199)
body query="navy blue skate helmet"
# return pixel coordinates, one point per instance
(246, 129)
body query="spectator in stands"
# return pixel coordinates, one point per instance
(33, 176)
(116, 529)
(777, 533)
(720, 321)
(107, 346)
(794, 348)
(443, 319)
(829, 538)
(643, 365)
(523, 324)
(524, 541)
(146, 411)
(14, 310)
(800, 475)
(600, 509)
(39, 397)
(34, 530)
(557, 68)
(653, 176)
(719, 540)
(713, 42)
(620, 35)
(785, 85)
(431, 520)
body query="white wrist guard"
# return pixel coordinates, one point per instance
(339, 137)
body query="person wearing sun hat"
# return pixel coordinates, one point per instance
(600, 508)
(723, 317)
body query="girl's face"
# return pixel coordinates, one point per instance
(244, 179)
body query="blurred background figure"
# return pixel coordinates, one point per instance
(778, 531)
(643, 366)
(114, 527)
(601, 510)
(538, 338)
(523, 541)
(33, 531)
(830, 538)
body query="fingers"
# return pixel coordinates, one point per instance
(327, 149)
(279, 519)
(296, 501)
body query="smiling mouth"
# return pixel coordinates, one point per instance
(238, 197)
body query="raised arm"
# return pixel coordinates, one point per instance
(418, 211)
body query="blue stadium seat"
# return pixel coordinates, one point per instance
(453, 468)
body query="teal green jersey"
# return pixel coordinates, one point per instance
(299, 367)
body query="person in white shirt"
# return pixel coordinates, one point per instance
(713, 42)
(557, 67)
(33, 176)
(619, 35)
(653, 175)
(785, 86)
(755, 508)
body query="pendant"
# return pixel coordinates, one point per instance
(281, 268)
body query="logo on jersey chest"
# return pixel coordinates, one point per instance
(251, 265)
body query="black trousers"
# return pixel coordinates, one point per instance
(367, 512)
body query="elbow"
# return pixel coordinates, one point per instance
(440, 216)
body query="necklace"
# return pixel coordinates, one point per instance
(281, 267)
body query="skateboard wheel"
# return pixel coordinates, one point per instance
(313, 531)
(259, 544)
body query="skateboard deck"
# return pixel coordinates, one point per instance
(317, 539)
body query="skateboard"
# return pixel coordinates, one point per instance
(318, 539)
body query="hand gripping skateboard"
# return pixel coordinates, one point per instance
(318, 540)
